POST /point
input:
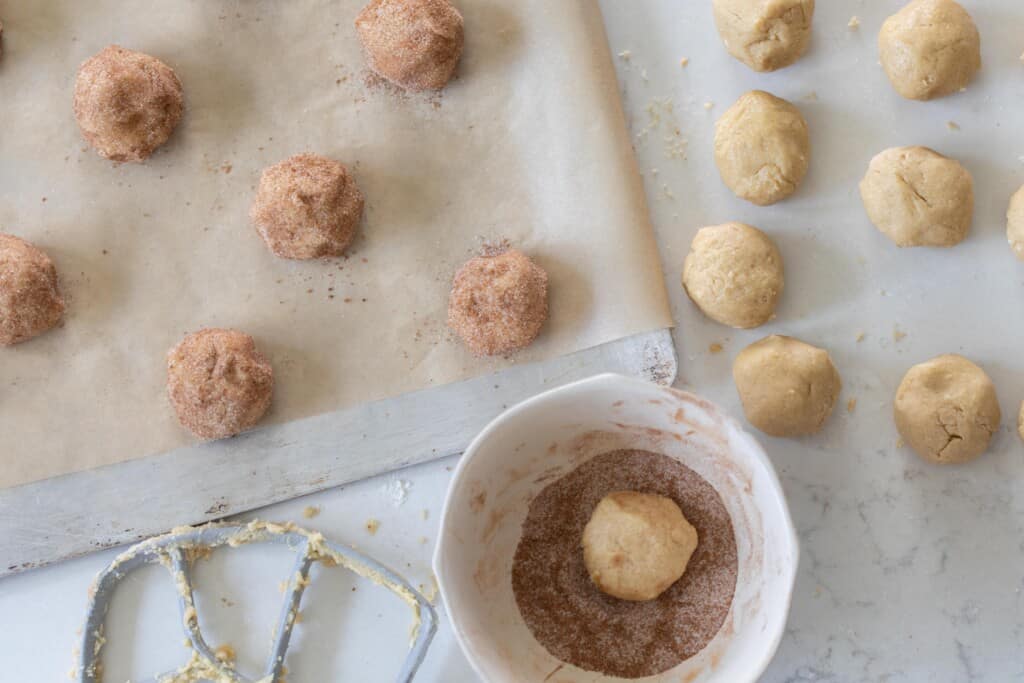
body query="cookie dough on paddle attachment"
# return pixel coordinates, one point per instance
(498, 303)
(126, 103)
(929, 49)
(636, 545)
(762, 148)
(415, 44)
(946, 409)
(306, 207)
(787, 387)
(218, 383)
(734, 274)
(918, 198)
(764, 34)
(30, 301)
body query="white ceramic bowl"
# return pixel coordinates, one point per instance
(531, 444)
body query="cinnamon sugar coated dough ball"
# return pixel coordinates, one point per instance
(1015, 224)
(30, 301)
(762, 148)
(307, 207)
(498, 303)
(219, 384)
(787, 387)
(929, 49)
(946, 409)
(764, 34)
(734, 274)
(415, 44)
(126, 103)
(636, 545)
(918, 198)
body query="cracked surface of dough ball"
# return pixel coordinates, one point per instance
(1015, 224)
(415, 44)
(946, 409)
(930, 49)
(306, 207)
(126, 103)
(734, 274)
(918, 198)
(787, 387)
(30, 300)
(636, 545)
(764, 34)
(498, 303)
(219, 384)
(762, 148)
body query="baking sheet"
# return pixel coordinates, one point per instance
(528, 145)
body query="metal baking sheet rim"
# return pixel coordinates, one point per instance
(42, 522)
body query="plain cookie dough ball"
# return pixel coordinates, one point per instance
(126, 103)
(762, 148)
(764, 34)
(734, 274)
(918, 198)
(1015, 224)
(946, 409)
(219, 384)
(636, 545)
(787, 387)
(498, 303)
(415, 44)
(929, 49)
(30, 301)
(306, 207)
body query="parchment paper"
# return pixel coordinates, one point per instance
(528, 145)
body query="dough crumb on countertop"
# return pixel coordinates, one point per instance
(684, 62)
(371, 526)
(952, 125)
(311, 511)
(715, 348)
(854, 23)
(898, 335)
(625, 55)
(851, 405)
(225, 653)
(860, 337)
(709, 105)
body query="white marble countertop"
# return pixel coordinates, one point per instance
(909, 572)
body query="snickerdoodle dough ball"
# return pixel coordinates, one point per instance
(126, 103)
(929, 49)
(787, 387)
(918, 198)
(306, 207)
(762, 148)
(219, 384)
(498, 303)
(1015, 224)
(415, 44)
(30, 301)
(946, 409)
(734, 274)
(636, 545)
(764, 34)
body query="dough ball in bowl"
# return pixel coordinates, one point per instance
(764, 34)
(306, 207)
(218, 383)
(918, 198)
(762, 148)
(415, 44)
(787, 387)
(734, 274)
(929, 49)
(636, 545)
(1015, 224)
(30, 300)
(126, 103)
(498, 303)
(946, 409)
